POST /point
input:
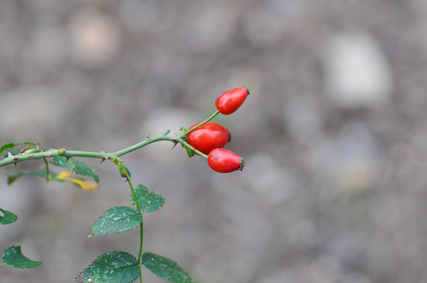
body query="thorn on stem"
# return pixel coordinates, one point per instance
(148, 137)
(174, 144)
(104, 158)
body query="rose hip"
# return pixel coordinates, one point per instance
(225, 161)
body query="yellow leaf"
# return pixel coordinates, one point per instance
(85, 185)
(63, 175)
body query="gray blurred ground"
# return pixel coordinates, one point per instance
(334, 134)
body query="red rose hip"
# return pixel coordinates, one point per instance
(228, 102)
(208, 137)
(224, 161)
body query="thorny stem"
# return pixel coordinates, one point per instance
(69, 153)
(43, 154)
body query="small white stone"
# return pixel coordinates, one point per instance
(357, 73)
(96, 38)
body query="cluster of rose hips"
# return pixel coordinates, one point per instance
(210, 138)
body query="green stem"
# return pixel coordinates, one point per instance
(195, 150)
(201, 124)
(70, 153)
(141, 241)
(1, 263)
(142, 222)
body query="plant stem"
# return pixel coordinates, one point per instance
(195, 150)
(201, 124)
(70, 153)
(142, 222)
(141, 226)
(141, 241)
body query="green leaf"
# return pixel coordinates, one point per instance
(116, 266)
(148, 200)
(8, 217)
(15, 175)
(116, 220)
(78, 167)
(11, 179)
(190, 152)
(14, 257)
(165, 268)
(13, 144)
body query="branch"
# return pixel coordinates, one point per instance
(11, 159)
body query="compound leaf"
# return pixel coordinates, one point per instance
(116, 220)
(116, 266)
(14, 257)
(148, 200)
(165, 268)
(8, 217)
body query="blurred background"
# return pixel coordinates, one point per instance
(334, 134)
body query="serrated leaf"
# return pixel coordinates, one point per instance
(15, 175)
(116, 220)
(63, 162)
(165, 268)
(8, 217)
(148, 200)
(14, 257)
(13, 144)
(77, 167)
(116, 266)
